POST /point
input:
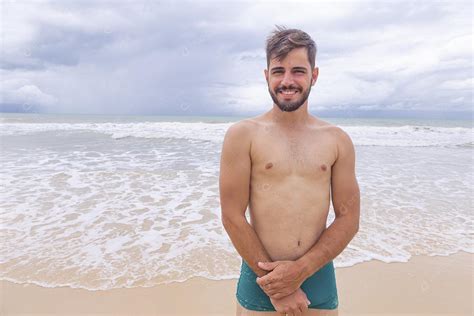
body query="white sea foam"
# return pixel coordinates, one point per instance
(405, 136)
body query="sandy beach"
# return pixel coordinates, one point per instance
(423, 286)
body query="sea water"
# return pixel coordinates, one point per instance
(102, 202)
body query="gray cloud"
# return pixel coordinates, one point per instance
(208, 57)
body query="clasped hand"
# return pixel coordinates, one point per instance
(284, 279)
(282, 285)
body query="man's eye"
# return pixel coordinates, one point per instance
(279, 71)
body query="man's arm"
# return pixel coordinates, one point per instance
(234, 187)
(346, 202)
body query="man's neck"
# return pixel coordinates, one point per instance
(298, 118)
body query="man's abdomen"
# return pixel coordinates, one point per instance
(289, 217)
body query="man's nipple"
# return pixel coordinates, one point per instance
(324, 167)
(268, 165)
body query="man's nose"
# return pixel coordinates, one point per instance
(287, 79)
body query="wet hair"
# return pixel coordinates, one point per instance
(282, 40)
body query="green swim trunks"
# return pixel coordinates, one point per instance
(320, 288)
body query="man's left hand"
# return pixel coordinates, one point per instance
(284, 279)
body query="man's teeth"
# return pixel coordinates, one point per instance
(289, 91)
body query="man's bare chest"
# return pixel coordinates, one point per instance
(276, 156)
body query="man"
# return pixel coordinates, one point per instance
(284, 165)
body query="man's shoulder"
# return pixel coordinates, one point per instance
(245, 127)
(331, 128)
(336, 134)
(340, 138)
(239, 134)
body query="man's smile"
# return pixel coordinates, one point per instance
(288, 93)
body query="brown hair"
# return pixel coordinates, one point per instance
(282, 40)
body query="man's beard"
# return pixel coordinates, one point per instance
(293, 105)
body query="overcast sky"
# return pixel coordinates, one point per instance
(208, 57)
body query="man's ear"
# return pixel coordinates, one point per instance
(265, 72)
(314, 75)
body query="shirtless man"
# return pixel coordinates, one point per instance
(285, 165)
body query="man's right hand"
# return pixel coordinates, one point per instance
(294, 304)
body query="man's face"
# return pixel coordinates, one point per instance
(290, 80)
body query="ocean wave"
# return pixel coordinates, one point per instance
(366, 135)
